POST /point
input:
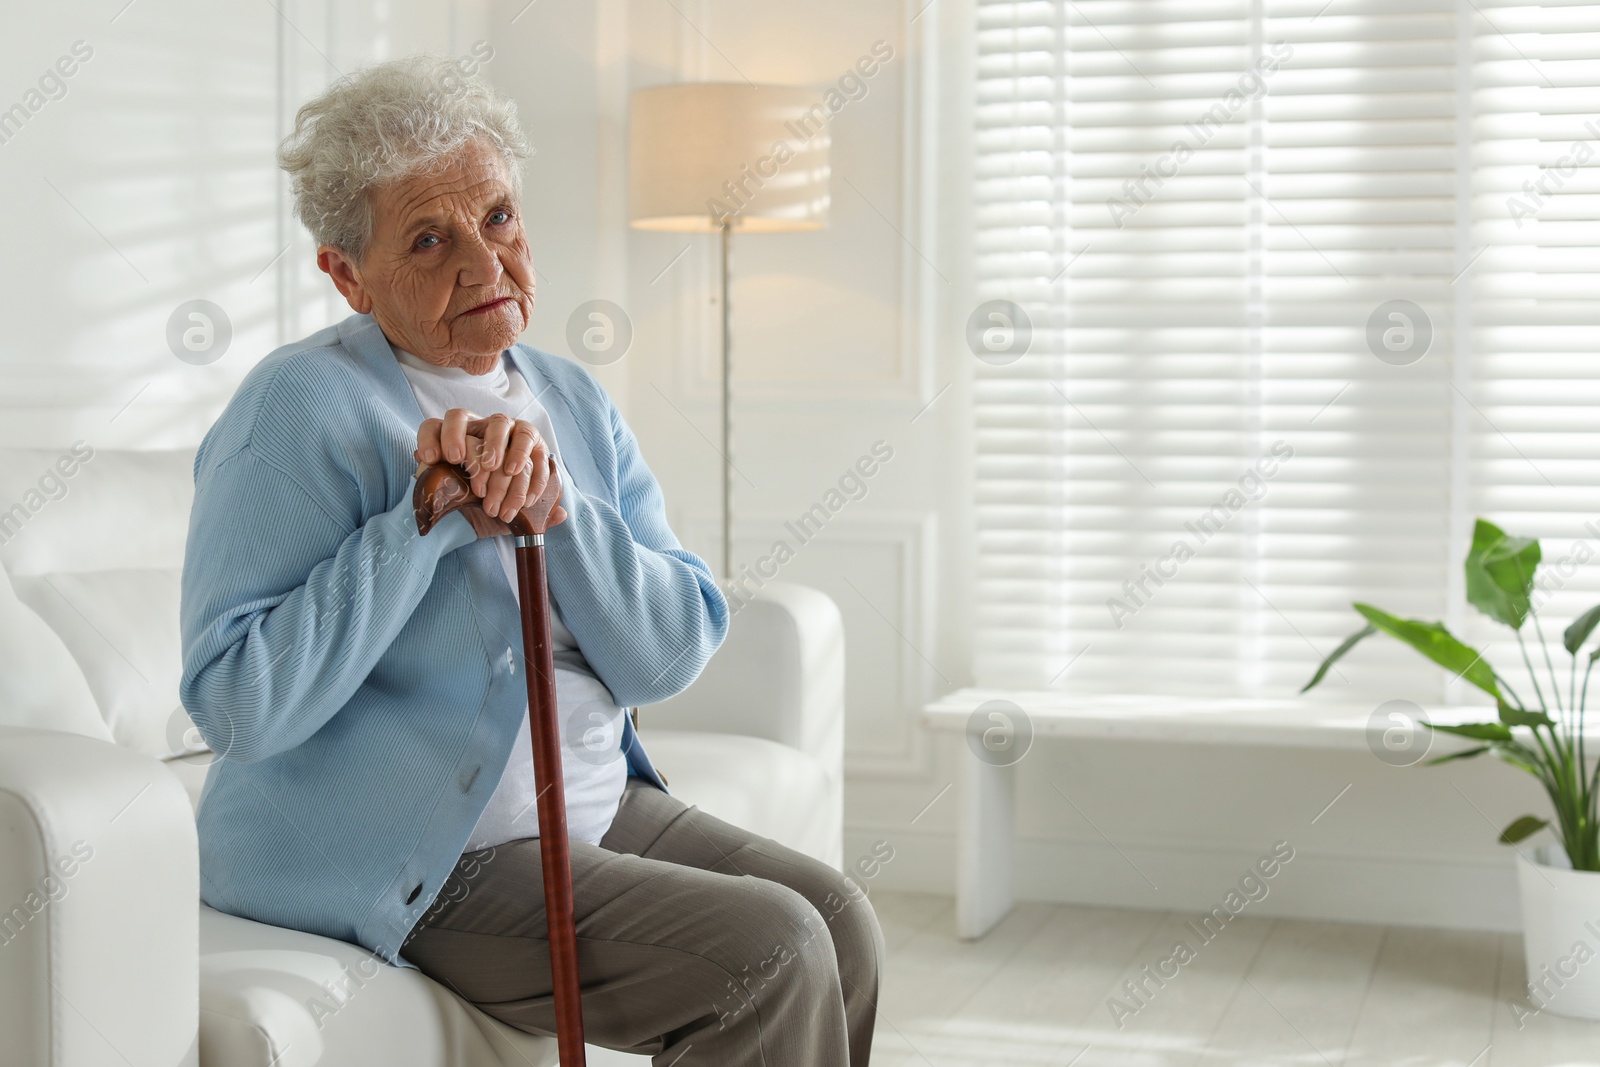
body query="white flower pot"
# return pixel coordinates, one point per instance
(1560, 933)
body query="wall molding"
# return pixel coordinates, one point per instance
(913, 537)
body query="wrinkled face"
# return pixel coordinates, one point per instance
(447, 273)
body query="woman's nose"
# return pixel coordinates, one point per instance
(479, 264)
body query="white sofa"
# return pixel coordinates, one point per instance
(106, 954)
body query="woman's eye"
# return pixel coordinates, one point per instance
(499, 217)
(428, 240)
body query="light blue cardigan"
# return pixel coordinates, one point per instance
(363, 685)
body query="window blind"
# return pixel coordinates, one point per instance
(1286, 341)
(1535, 299)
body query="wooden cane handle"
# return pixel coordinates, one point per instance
(444, 487)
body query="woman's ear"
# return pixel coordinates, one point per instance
(346, 278)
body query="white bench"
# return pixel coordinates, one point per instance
(986, 790)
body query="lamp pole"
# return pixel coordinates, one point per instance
(727, 416)
(686, 142)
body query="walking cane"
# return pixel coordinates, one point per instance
(441, 489)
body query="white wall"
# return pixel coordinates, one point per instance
(151, 182)
(142, 187)
(838, 345)
(842, 338)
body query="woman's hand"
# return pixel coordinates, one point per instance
(505, 459)
(489, 527)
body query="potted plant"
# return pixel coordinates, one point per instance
(1560, 888)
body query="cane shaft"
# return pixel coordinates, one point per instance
(555, 855)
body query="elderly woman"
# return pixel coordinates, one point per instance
(362, 685)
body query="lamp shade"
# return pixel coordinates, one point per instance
(752, 156)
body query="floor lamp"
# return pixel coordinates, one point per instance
(720, 157)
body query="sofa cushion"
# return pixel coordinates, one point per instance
(121, 627)
(41, 686)
(273, 997)
(759, 785)
(95, 550)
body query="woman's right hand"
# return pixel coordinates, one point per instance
(505, 459)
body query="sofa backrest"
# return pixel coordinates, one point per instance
(92, 542)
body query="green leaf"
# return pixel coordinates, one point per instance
(1519, 756)
(1520, 717)
(1524, 827)
(1499, 573)
(1579, 631)
(1466, 753)
(1438, 644)
(1338, 653)
(1478, 731)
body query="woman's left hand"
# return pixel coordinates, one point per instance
(484, 526)
(504, 458)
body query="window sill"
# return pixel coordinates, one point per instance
(1218, 721)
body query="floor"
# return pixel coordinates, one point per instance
(1035, 991)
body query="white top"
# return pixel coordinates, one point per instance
(593, 768)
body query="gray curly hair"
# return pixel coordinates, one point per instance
(381, 124)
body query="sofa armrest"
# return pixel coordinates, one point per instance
(99, 916)
(779, 675)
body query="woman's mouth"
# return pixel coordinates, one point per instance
(490, 306)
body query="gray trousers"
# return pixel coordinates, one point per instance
(698, 943)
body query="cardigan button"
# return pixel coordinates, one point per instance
(511, 661)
